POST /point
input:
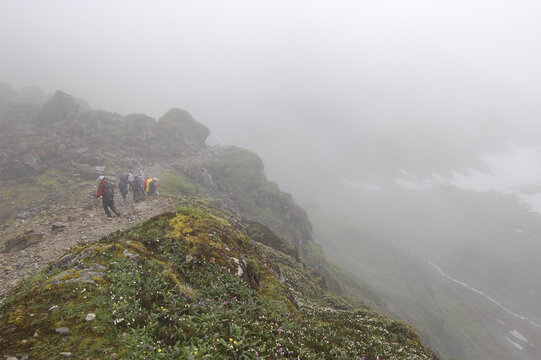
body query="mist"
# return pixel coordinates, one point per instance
(368, 109)
(419, 85)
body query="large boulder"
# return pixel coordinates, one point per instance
(60, 108)
(29, 164)
(179, 125)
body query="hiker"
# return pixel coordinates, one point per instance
(133, 185)
(137, 188)
(106, 190)
(123, 186)
(146, 184)
(153, 186)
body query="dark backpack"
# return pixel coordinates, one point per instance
(108, 192)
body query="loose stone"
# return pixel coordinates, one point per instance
(63, 331)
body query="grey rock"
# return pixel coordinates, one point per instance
(23, 241)
(81, 266)
(65, 354)
(70, 259)
(97, 267)
(64, 261)
(61, 107)
(57, 279)
(90, 317)
(58, 226)
(11, 358)
(129, 255)
(83, 277)
(32, 162)
(63, 331)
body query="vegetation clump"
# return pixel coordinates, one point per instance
(191, 285)
(173, 183)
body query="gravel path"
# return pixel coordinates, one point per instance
(84, 222)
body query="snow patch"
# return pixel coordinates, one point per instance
(517, 345)
(413, 185)
(506, 174)
(364, 186)
(518, 335)
(411, 182)
(479, 292)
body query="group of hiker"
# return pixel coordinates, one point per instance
(140, 186)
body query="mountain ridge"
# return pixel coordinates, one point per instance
(62, 138)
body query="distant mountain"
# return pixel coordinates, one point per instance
(460, 265)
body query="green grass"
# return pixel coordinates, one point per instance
(173, 183)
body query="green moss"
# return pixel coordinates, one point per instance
(197, 288)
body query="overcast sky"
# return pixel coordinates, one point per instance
(355, 87)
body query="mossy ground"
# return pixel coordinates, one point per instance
(193, 285)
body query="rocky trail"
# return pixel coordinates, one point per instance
(33, 243)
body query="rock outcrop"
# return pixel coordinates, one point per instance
(60, 108)
(178, 125)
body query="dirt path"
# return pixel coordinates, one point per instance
(84, 222)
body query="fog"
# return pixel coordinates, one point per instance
(343, 100)
(392, 84)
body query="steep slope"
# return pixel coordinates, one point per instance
(446, 265)
(192, 285)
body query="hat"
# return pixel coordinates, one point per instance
(101, 177)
